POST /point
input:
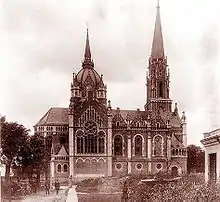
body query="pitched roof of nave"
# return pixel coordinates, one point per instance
(55, 116)
(59, 116)
(173, 117)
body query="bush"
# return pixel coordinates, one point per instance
(11, 189)
(189, 188)
(89, 185)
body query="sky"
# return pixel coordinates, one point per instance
(42, 44)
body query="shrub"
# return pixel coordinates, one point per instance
(89, 185)
(189, 188)
(10, 189)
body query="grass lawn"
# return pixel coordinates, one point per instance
(97, 197)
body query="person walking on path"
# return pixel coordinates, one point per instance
(57, 186)
(47, 188)
(125, 192)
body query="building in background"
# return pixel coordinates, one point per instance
(211, 142)
(91, 139)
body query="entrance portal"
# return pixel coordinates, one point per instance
(174, 171)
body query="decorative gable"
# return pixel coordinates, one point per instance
(90, 114)
(118, 121)
(62, 152)
(138, 121)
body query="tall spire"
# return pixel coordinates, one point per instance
(157, 46)
(87, 55)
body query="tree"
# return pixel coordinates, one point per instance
(32, 156)
(14, 137)
(195, 159)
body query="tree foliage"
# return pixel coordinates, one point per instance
(195, 159)
(14, 137)
(23, 152)
(32, 156)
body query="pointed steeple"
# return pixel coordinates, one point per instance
(87, 54)
(157, 46)
(88, 62)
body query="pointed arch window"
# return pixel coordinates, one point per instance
(101, 143)
(117, 124)
(58, 168)
(80, 142)
(90, 142)
(158, 145)
(138, 145)
(65, 168)
(118, 145)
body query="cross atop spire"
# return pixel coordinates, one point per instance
(87, 55)
(157, 46)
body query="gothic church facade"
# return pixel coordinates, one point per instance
(91, 139)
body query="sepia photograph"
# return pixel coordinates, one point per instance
(109, 100)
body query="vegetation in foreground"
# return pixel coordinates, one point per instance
(188, 188)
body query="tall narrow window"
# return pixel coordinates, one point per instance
(118, 145)
(101, 143)
(158, 145)
(160, 89)
(58, 168)
(138, 145)
(65, 168)
(79, 142)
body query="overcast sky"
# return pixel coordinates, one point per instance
(42, 43)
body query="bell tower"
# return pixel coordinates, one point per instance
(158, 77)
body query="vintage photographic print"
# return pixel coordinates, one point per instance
(109, 100)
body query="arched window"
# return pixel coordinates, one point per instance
(117, 124)
(90, 142)
(118, 145)
(158, 141)
(138, 145)
(65, 168)
(176, 153)
(58, 168)
(101, 142)
(79, 142)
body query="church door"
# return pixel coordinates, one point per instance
(174, 171)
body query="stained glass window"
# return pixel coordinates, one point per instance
(158, 146)
(90, 141)
(118, 145)
(138, 145)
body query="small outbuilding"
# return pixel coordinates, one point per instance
(211, 143)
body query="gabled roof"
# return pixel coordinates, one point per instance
(62, 152)
(55, 116)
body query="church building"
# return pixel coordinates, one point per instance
(91, 139)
